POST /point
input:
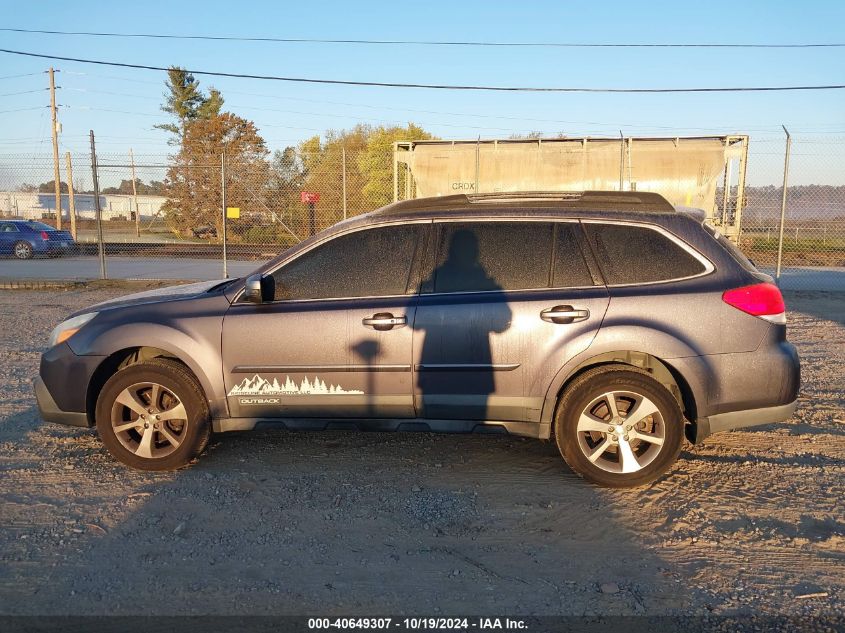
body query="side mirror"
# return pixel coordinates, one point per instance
(259, 289)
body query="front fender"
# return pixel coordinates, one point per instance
(193, 336)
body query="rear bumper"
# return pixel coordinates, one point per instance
(54, 248)
(733, 420)
(51, 412)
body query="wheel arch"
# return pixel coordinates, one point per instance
(126, 357)
(664, 372)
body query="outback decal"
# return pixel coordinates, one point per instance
(258, 386)
(259, 400)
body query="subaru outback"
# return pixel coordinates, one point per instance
(612, 324)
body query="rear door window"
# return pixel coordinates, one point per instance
(485, 256)
(631, 254)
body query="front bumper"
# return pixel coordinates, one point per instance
(51, 412)
(733, 420)
(62, 385)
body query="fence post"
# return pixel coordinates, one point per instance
(783, 202)
(135, 195)
(343, 168)
(223, 197)
(621, 161)
(100, 246)
(71, 199)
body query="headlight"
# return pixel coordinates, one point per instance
(66, 329)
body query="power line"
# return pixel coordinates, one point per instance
(25, 92)
(23, 75)
(22, 109)
(614, 125)
(380, 84)
(305, 40)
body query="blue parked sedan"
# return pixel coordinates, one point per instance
(27, 238)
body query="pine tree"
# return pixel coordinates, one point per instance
(185, 101)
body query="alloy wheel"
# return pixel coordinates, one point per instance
(621, 431)
(149, 420)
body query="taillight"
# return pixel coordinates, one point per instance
(44, 235)
(761, 300)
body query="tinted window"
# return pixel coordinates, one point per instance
(732, 248)
(635, 254)
(492, 256)
(369, 263)
(40, 226)
(570, 268)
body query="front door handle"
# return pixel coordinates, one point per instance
(564, 314)
(383, 321)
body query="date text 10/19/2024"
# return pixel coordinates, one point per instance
(419, 624)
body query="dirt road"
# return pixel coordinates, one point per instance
(343, 523)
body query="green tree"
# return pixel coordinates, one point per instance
(323, 163)
(376, 161)
(154, 188)
(368, 170)
(50, 187)
(287, 178)
(186, 102)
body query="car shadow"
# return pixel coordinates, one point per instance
(321, 523)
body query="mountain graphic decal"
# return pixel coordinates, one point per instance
(257, 385)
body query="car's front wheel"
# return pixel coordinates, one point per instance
(153, 415)
(618, 427)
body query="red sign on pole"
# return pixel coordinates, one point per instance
(309, 197)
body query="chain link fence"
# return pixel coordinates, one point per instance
(162, 217)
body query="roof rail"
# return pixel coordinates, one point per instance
(638, 201)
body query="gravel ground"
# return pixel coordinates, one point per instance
(342, 523)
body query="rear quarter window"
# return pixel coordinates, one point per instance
(732, 249)
(631, 254)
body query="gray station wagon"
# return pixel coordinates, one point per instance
(611, 323)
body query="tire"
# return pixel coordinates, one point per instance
(22, 250)
(610, 450)
(169, 411)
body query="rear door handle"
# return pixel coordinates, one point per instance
(564, 314)
(383, 321)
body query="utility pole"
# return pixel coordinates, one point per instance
(135, 196)
(71, 200)
(101, 247)
(55, 126)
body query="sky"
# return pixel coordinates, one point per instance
(122, 105)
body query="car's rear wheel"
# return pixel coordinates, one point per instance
(618, 427)
(23, 250)
(153, 415)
